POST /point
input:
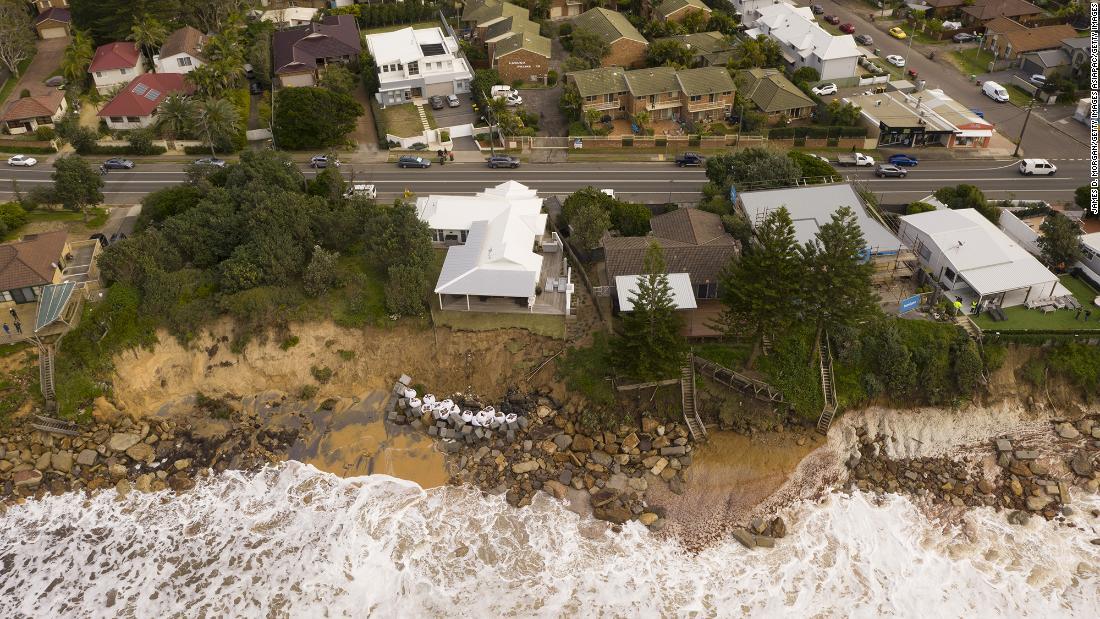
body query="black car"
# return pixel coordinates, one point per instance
(437, 102)
(102, 238)
(690, 159)
(503, 161)
(884, 170)
(864, 39)
(118, 164)
(817, 9)
(255, 88)
(409, 161)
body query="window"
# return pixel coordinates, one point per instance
(949, 275)
(117, 119)
(707, 290)
(696, 98)
(185, 61)
(133, 119)
(924, 252)
(414, 68)
(5, 296)
(123, 71)
(99, 73)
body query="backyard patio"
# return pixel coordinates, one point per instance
(1020, 319)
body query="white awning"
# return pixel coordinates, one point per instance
(974, 133)
(683, 295)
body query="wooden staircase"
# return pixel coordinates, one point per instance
(736, 381)
(687, 394)
(969, 327)
(828, 387)
(46, 371)
(765, 344)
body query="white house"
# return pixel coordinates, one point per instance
(418, 63)
(967, 256)
(1090, 250)
(749, 10)
(135, 106)
(806, 44)
(181, 51)
(114, 64)
(498, 239)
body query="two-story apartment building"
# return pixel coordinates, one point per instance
(692, 95)
(301, 53)
(181, 51)
(512, 41)
(114, 64)
(418, 63)
(804, 43)
(627, 46)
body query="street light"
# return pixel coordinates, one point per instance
(910, 46)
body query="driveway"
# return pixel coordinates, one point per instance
(365, 135)
(45, 62)
(454, 116)
(544, 102)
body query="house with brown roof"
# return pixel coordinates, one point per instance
(31, 263)
(114, 64)
(709, 49)
(27, 114)
(301, 53)
(181, 51)
(513, 42)
(690, 95)
(45, 5)
(53, 23)
(677, 10)
(694, 242)
(627, 46)
(135, 107)
(1009, 39)
(980, 12)
(773, 94)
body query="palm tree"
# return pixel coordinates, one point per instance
(174, 117)
(148, 34)
(642, 120)
(78, 55)
(215, 119)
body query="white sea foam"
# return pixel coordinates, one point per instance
(293, 541)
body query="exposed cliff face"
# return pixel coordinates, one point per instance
(361, 361)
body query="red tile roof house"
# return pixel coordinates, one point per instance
(300, 53)
(31, 263)
(29, 113)
(114, 64)
(136, 106)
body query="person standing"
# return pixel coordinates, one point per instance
(14, 314)
(7, 330)
(19, 327)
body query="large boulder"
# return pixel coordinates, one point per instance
(86, 457)
(1067, 431)
(121, 441)
(1082, 464)
(748, 540)
(583, 444)
(525, 467)
(62, 461)
(28, 478)
(555, 488)
(141, 452)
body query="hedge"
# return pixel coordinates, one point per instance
(242, 101)
(98, 149)
(27, 150)
(779, 133)
(204, 149)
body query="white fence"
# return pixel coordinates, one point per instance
(431, 136)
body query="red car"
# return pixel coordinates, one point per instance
(848, 29)
(832, 19)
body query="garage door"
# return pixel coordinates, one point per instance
(53, 33)
(443, 89)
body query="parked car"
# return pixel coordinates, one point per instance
(503, 161)
(22, 160)
(1029, 167)
(255, 88)
(118, 236)
(847, 28)
(249, 72)
(864, 39)
(323, 161)
(898, 33)
(817, 9)
(1038, 79)
(55, 82)
(513, 99)
(832, 19)
(436, 102)
(977, 112)
(690, 159)
(409, 161)
(995, 91)
(895, 60)
(824, 89)
(856, 159)
(963, 37)
(211, 161)
(118, 164)
(887, 170)
(500, 90)
(361, 190)
(452, 101)
(903, 160)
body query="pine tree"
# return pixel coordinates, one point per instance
(651, 346)
(761, 289)
(838, 283)
(1059, 241)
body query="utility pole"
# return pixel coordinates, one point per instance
(489, 117)
(1016, 153)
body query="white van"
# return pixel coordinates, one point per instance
(995, 91)
(1029, 167)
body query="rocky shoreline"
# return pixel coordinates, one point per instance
(1024, 476)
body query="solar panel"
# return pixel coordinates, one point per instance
(152, 94)
(140, 89)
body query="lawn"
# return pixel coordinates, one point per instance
(97, 217)
(966, 61)
(1021, 318)
(9, 84)
(404, 121)
(1018, 96)
(391, 28)
(732, 355)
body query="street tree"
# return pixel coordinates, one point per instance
(588, 46)
(16, 35)
(651, 346)
(968, 196)
(215, 120)
(761, 288)
(669, 53)
(752, 168)
(837, 285)
(76, 185)
(1059, 241)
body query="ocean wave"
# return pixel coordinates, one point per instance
(297, 542)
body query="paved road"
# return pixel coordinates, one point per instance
(648, 182)
(1042, 138)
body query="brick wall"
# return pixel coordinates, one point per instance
(523, 65)
(625, 53)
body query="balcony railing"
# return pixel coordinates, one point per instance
(601, 105)
(663, 104)
(699, 106)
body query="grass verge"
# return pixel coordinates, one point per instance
(97, 217)
(971, 62)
